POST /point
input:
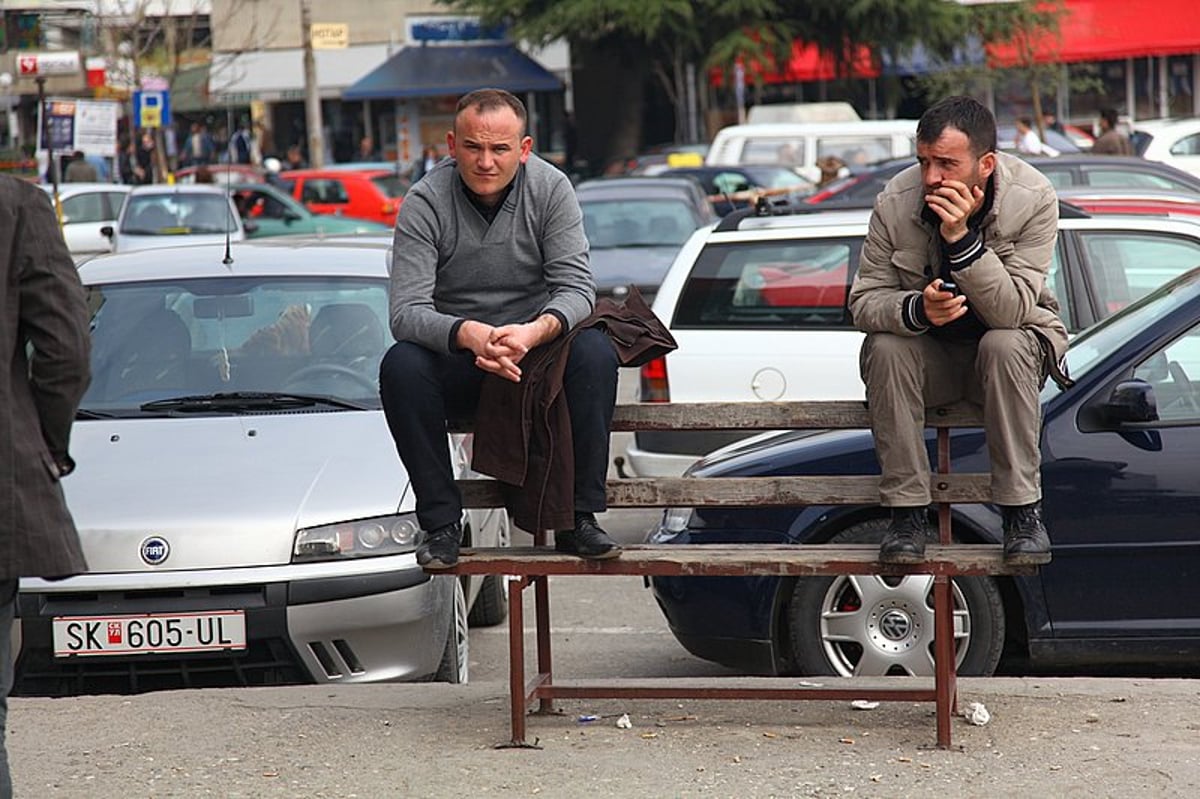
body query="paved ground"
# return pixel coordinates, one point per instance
(1081, 737)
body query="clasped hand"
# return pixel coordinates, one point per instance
(499, 350)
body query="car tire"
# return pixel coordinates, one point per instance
(457, 653)
(834, 622)
(491, 604)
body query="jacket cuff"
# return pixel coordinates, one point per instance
(913, 313)
(965, 251)
(452, 342)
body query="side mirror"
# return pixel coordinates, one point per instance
(250, 227)
(290, 216)
(107, 232)
(1131, 401)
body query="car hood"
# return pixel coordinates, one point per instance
(225, 491)
(644, 267)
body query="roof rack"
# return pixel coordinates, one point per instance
(764, 207)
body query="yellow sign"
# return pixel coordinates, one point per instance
(151, 117)
(330, 35)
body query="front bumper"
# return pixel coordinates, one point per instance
(358, 621)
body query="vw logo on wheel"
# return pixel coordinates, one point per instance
(895, 625)
(154, 550)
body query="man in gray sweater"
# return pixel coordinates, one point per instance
(490, 261)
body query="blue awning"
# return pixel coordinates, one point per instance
(434, 70)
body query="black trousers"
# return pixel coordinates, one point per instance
(421, 389)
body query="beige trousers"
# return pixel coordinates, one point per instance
(1004, 372)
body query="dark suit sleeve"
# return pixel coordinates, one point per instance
(53, 318)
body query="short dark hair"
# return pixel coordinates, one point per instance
(961, 113)
(1109, 115)
(489, 100)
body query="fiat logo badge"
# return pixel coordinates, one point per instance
(154, 550)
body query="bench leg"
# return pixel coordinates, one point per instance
(541, 597)
(516, 660)
(945, 680)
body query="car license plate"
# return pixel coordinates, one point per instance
(149, 632)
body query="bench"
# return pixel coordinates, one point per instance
(532, 566)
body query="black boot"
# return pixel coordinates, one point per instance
(906, 536)
(587, 540)
(1025, 539)
(439, 550)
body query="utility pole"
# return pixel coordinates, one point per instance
(312, 95)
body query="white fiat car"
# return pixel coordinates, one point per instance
(244, 514)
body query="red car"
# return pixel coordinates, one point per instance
(373, 194)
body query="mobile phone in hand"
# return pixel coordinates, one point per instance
(950, 286)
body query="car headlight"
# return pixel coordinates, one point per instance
(364, 538)
(674, 522)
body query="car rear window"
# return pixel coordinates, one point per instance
(391, 185)
(786, 285)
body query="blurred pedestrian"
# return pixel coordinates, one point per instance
(427, 161)
(45, 344)
(79, 170)
(366, 150)
(1028, 142)
(1110, 141)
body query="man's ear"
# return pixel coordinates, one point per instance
(987, 165)
(450, 142)
(526, 148)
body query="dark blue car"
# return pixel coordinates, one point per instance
(1121, 484)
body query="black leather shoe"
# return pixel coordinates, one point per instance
(905, 539)
(587, 540)
(1025, 539)
(439, 550)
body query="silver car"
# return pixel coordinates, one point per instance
(244, 513)
(175, 216)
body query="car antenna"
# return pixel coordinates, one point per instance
(228, 259)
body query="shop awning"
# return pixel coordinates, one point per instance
(433, 70)
(1107, 30)
(809, 63)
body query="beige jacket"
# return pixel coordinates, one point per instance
(1005, 286)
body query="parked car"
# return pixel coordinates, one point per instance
(757, 306)
(1172, 141)
(371, 194)
(239, 499)
(223, 173)
(276, 213)
(802, 144)
(1132, 201)
(1065, 172)
(778, 182)
(636, 225)
(175, 216)
(86, 208)
(1121, 502)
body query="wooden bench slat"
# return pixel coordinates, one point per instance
(831, 414)
(734, 560)
(745, 491)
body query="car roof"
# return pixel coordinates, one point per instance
(179, 188)
(633, 187)
(75, 188)
(326, 172)
(278, 257)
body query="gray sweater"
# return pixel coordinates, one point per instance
(450, 265)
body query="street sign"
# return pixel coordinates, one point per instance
(151, 109)
(39, 65)
(330, 35)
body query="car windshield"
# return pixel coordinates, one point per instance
(636, 223)
(176, 213)
(201, 338)
(1090, 347)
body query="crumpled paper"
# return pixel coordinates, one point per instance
(975, 713)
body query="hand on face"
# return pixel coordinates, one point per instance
(942, 307)
(954, 202)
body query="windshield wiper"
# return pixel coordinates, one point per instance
(85, 413)
(248, 401)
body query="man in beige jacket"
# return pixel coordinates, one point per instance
(951, 291)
